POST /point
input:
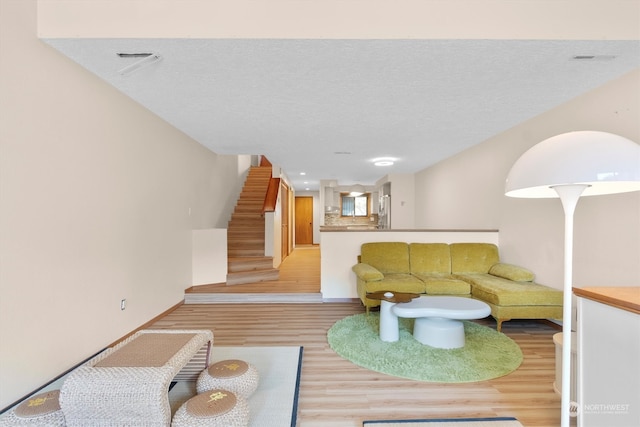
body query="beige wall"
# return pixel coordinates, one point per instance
(467, 191)
(325, 19)
(95, 195)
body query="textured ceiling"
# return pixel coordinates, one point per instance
(329, 107)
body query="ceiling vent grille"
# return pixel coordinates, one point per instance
(590, 58)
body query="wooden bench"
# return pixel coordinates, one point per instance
(128, 384)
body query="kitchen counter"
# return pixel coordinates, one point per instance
(354, 227)
(624, 298)
(395, 230)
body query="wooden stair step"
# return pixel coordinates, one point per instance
(252, 241)
(245, 252)
(241, 237)
(252, 276)
(246, 222)
(247, 226)
(249, 264)
(247, 248)
(255, 216)
(245, 233)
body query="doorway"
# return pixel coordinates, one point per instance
(304, 220)
(285, 236)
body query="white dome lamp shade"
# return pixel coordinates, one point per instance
(568, 166)
(605, 163)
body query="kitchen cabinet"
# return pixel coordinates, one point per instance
(608, 356)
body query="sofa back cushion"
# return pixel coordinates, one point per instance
(473, 257)
(426, 258)
(388, 257)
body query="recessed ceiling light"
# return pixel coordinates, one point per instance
(384, 161)
(303, 173)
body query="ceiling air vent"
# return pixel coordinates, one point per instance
(593, 57)
(143, 60)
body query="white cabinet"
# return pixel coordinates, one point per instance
(608, 357)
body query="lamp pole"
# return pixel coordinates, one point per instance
(570, 166)
(569, 196)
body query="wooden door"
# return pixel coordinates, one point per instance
(304, 220)
(284, 212)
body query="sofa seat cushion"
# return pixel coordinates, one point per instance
(444, 284)
(398, 282)
(499, 291)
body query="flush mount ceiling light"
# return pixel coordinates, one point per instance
(384, 161)
(145, 59)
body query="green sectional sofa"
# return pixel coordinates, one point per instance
(469, 270)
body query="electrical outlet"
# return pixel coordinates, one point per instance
(123, 304)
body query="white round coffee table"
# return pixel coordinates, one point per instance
(438, 318)
(389, 330)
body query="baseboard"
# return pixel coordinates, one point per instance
(255, 298)
(557, 324)
(340, 299)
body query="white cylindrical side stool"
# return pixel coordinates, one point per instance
(215, 408)
(389, 330)
(234, 375)
(42, 410)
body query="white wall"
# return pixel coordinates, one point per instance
(373, 19)
(98, 199)
(467, 191)
(209, 256)
(403, 200)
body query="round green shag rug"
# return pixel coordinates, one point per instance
(487, 353)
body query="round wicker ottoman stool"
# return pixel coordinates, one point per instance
(41, 410)
(215, 408)
(234, 375)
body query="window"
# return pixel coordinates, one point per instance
(354, 206)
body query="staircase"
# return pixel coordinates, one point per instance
(245, 233)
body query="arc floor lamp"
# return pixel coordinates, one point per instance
(568, 166)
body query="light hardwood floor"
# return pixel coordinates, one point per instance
(336, 393)
(299, 273)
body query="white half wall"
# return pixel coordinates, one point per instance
(209, 256)
(339, 252)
